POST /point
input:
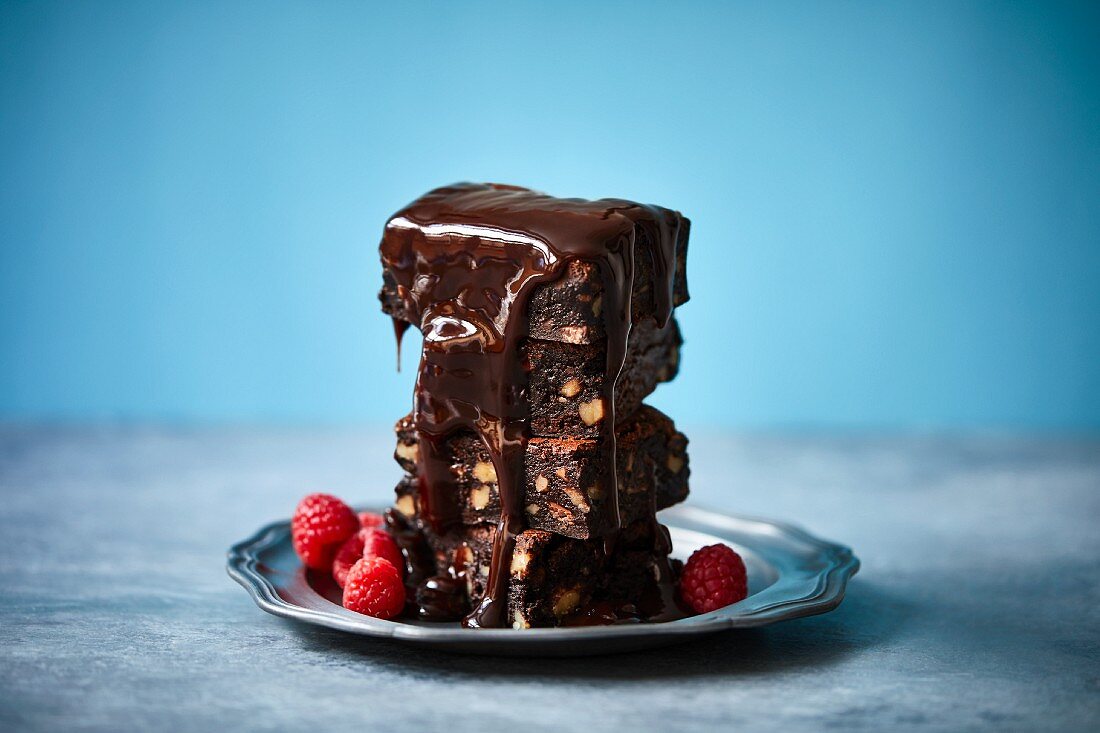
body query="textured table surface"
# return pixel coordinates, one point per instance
(976, 608)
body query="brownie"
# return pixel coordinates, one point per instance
(570, 309)
(566, 479)
(566, 382)
(553, 580)
(558, 581)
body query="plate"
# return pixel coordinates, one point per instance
(791, 574)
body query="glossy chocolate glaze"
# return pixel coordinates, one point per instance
(466, 259)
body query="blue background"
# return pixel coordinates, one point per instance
(894, 204)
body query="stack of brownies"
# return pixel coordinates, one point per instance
(533, 470)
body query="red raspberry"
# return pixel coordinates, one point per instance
(320, 525)
(369, 520)
(374, 587)
(349, 553)
(713, 577)
(365, 543)
(376, 543)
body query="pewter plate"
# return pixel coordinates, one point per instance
(791, 574)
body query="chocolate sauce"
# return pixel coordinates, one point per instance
(466, 259)
(399, 328)
(442, 598)
(419, 562)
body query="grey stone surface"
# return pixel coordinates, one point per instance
(976, 608)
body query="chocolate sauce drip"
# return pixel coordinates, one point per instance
(419, 562)
(465, 259)
(399, 328)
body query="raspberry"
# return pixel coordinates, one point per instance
(369, 520)
(320, 525)
(349, 553)
(365, 543)
(374, 588)
(376, 543)
(713, 577)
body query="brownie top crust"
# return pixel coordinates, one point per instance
(464, 261)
